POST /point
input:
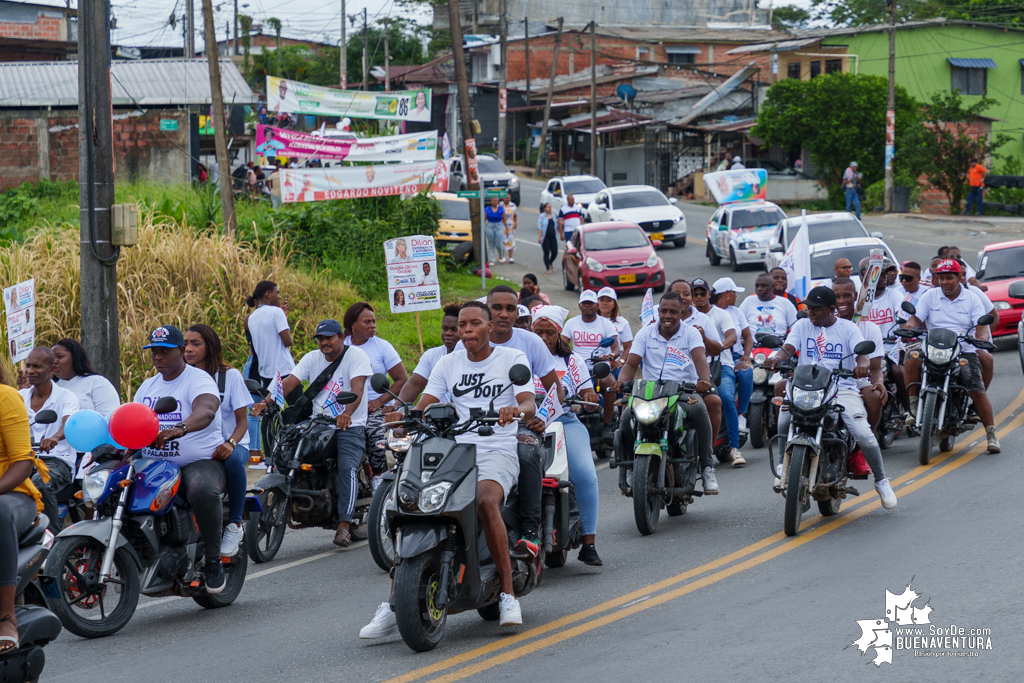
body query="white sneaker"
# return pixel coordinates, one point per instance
(710, 482)
(375, 482)
(383, 624)
(511, 614)
(231, 539)
(743, 424)
(885, 493)
(737, 458)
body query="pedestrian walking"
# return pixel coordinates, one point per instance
(547, 235)
(976, 179)
(497, 221)
(511, 224)
(850, 186)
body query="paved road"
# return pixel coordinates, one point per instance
(719, 594)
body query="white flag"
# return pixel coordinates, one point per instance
(278, 390)
(550, 408)
(647, 309)
(797, 262)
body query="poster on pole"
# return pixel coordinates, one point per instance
(471, 163)
(281, 142)
(411, 264)
(20, 308)
(295, 97)
(357, 182)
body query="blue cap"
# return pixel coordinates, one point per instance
(165, 337)
(328, 328)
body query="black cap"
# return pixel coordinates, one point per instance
(700, 282)
(821, 296)
(328, 328)
(165, 337)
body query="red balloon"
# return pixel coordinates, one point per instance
(134, 425)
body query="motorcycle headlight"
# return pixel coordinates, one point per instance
(940, 356)
(400, 444)
(806, 400)
(94, 484)
(760, 357)
(649, 411)
(760, 376)
(433, 497)
(651, 261)
(594, 265)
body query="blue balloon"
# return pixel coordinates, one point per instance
(115, 444)
(86, 430)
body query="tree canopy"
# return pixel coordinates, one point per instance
(863, 12)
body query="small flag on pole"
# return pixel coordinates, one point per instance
(647, 309)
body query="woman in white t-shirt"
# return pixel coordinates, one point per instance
(360, 329)
(608, 307)
(269, 337)
(74, 372)
(203, 351)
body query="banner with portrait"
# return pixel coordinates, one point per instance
(411, 264)
(355, 182)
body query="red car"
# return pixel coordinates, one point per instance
(999, 265)
(615, 254)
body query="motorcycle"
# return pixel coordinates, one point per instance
(943, 404)
(382, 550)
(762, 422)
(594, 421)
(891, 424)
(654, 484)
(300, 489)
(442, 563)
(143, 540)
(816, 449)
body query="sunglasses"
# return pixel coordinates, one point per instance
(907, 278)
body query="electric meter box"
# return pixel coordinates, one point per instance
(124, 225)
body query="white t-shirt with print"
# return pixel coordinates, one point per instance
(235, 396)
(872, 333)
(266, 324)
(354, 364)
(775, 316)
(668, 359)
(904, 295)
(723, 322)
(427, 362)
(186, 387)
(827, 346)
(94, 392)
(622, 329)
(538, 358)
(382, 357)
(586, 337)
(64, 403)
(885, 310)
(573, 374)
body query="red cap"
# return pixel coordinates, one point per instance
(948, 266)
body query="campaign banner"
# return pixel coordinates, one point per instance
(870, 283)
(741, 185)
(20, 308)
(446, 147)
(295, 97)
(647, 309)
(280, 142)
(411, 264)
(550, 408)
(355, 182)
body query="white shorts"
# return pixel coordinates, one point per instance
(499, 466)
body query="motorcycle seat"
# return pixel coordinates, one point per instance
(34, 534)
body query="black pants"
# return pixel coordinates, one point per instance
(696, 417)
(60, 476)
(550, 247)
(203, 482)
(530, 483)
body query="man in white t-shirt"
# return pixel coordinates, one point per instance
(725, 292)
(449, 338)
(271, 337)
(60, 457)
(767, 312)
(349, 420)
(827, 341)
(427, 277)
(988, 364)
(188, 436)
(570, 217)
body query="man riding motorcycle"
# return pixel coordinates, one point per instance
(672, 351)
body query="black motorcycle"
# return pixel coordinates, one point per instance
(943, 408)
(762, 421)
(442, 564)
(378, 533)
(893, 419)
(594, 421)
(300, 490)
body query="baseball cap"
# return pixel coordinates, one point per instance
(853, 163)
(328, 328)
(524, 312)
(166, 337)
(609, 292)
(700, 282)
(821, 296)
(948, 266)
(726, 284)
(588, 295)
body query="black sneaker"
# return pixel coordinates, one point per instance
(588, 555)
(215, 580)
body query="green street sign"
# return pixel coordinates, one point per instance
(500, 194)
(168, 124)
(470, 194)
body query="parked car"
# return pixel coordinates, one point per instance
(646, 206)
(493, 174)
(741, 232)
(614, 254)
(999, 266)
(821, 227)
(454, 229)
(825, 254)
(583, 188)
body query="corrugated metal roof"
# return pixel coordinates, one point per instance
(966, 63)
(146, 82)
(718, 93)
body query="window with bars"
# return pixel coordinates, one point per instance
(968, 81)
(833, 66)
(793, 70)
(815, 69)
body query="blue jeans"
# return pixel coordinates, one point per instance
(975, 195)
(495, 234)
(234, 467)
(727, 392)
(852, 196)
(744, 386)
(582, 473)
(254, 422)
(350, 443)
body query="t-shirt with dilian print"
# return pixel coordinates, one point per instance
(186, 388)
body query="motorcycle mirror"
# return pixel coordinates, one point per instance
(1017, 289)
(48, 417)
(519, 375)
(346, 397)
(770, 341)
(864, 348)
(167, 404)
(485, 431)
(909, 308)
(986, 319)
(602, 370)
(254, 387)
(380, 382)
(607, 342)
(801, 315)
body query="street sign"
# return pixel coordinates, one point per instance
(470, 194)
(500, 194)
(168, 124)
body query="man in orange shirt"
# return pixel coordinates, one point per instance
(976, 178)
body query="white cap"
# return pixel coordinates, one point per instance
(726, 284)
(524, 312)
(609, 292)
(588, 295)
(853, 163)
(737, 158)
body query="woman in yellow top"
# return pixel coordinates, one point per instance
(19, 501)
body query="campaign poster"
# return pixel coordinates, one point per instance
(411, 264)
(356, 182)
(281, 142)
(295, 97)
(20, 308)
(741, 185)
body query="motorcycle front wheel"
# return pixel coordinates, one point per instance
(382, 549)
(646, 505)
(796, 490)
(84, 606)
(417, 582)
(928, 427)
(757, 425)
(265, 532)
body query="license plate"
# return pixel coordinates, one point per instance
(624, 279)
(658, 236)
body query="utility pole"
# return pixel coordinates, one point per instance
(344, 48)
(890, 114)
(366, 54)
(503, 80)
(190, 28)
(466, 116)
(593, 99)
(547, 103)
(220, 138)
(526, 47)
(96, 191)
(235, 53)
(387, 57)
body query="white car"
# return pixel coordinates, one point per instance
(821, 227)
(740, 232)
(583, 189)
(825, 254)
(644, 205)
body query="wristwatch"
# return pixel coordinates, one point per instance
(232, 442)
(183, 427)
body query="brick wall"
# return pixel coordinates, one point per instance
(45, 28)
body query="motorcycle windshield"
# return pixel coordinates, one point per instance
(941, 339)
(811, 377)
(649, 390)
